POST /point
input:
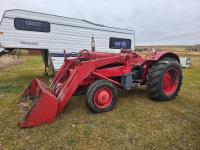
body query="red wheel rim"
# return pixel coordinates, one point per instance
(170, 81)
(103, 97)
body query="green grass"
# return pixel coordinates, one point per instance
(135, 123)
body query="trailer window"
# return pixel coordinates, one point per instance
(118, 43)
(31, 25)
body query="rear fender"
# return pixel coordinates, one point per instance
(159, 55)
(155, 57)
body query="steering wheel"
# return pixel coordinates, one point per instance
(129, 51)
(135, 55)
(83, 53)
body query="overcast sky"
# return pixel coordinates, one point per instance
(155, 21)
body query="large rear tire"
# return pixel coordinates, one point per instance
(101, 96)
(164, 80)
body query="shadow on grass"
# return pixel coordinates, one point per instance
(140, 92)
(78, 102)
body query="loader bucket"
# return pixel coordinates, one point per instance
(37, 105)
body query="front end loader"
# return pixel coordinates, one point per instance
(101, 74)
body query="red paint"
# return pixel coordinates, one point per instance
(170, 81)
(50, 101)
(103, 97)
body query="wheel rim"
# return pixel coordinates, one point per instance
(170, 81)
(103, 97)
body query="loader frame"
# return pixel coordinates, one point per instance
(118, 69)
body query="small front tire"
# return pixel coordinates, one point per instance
(101, 96)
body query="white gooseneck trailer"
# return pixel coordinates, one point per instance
(53, 34)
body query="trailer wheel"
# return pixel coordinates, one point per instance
(101, 96)
(164, 80)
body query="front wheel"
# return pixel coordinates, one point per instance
(164, 80)
(101, 96)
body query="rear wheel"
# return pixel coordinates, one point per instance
(164, 80)
(101, 96)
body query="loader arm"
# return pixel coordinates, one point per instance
(81, 72)
(47, 103)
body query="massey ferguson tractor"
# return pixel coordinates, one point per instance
(101, 74)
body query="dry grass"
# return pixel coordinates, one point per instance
(135, 123)
(8, 61)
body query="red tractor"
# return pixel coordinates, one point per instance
(101, 74)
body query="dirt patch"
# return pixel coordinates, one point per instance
(8, 61)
